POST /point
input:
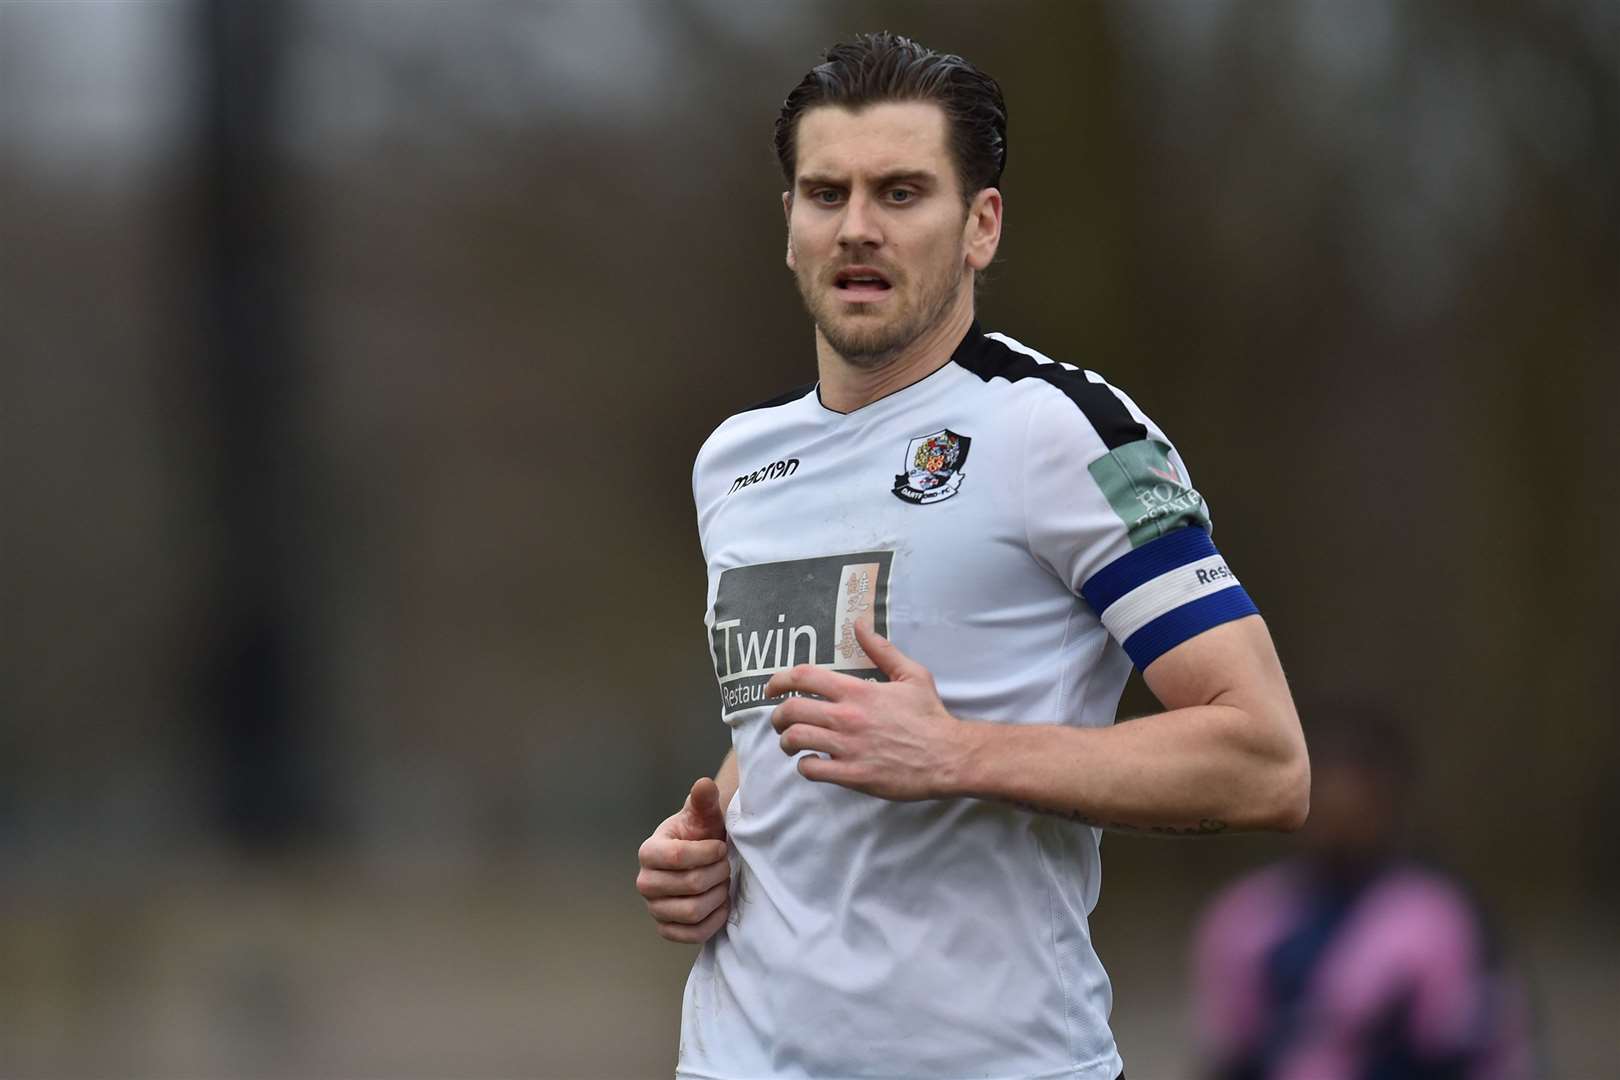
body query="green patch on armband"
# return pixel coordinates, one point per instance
(1147, 491)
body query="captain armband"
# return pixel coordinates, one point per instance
(1170, 589)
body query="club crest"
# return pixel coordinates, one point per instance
(933, 469)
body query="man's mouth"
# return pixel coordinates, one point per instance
(861, 283)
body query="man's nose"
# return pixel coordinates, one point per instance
(860, 227)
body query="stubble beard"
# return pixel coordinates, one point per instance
(878, 342)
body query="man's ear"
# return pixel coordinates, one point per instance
(787, 214)
(981, 233)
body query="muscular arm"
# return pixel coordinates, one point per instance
(1226, 754)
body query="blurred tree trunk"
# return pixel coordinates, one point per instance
(256, 681)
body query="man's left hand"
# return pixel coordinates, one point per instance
(893, 740)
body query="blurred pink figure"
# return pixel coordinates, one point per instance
(1352, 962)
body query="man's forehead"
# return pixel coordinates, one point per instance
(893, 136)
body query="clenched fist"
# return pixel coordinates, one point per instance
(685, 876)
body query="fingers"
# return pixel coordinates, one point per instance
(658, 884)
(809, 679)
(829, 771)
(698, 934)
(799, 710)
(663, 852)
(686, 883)
(801, 737)
(690, 910)
(702, 818)
(705, 796)
(685, 875)
(885, 654)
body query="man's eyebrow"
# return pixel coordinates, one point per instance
(918, 177)
(820, 180)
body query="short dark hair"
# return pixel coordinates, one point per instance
(881, 67)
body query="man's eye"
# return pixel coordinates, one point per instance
(901, 195)
(826, 197)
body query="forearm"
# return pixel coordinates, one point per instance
(726, 778)
(1189, 771)
(1227, 753)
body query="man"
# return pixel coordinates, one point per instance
(1354, 959)
(929, 574)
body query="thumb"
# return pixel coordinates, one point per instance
(885, 654)
(705, 819)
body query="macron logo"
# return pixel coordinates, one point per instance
(785, 467)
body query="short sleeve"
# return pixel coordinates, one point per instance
(1111, 509)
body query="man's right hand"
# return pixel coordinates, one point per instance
(685, 875)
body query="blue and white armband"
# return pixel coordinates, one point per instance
(1170, 589)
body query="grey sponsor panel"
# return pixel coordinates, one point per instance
(771, 616)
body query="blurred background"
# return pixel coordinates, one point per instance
(355, 355)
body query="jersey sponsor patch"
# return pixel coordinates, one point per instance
(1147, 491)
(771, 616)
(1158, 595)
(933, 470)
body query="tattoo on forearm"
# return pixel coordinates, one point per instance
(1204, 827)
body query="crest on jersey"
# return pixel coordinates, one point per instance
(933, 469)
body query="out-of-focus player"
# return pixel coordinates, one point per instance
(1355, 960)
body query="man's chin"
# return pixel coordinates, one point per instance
(864, 345)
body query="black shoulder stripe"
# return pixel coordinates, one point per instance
(991, 359)
(781, 399)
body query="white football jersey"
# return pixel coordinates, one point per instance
(1021, 529)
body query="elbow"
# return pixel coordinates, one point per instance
(1290, 802)
(1280, 783)
(1275, 792)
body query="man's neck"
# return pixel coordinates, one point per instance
(846, 387)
